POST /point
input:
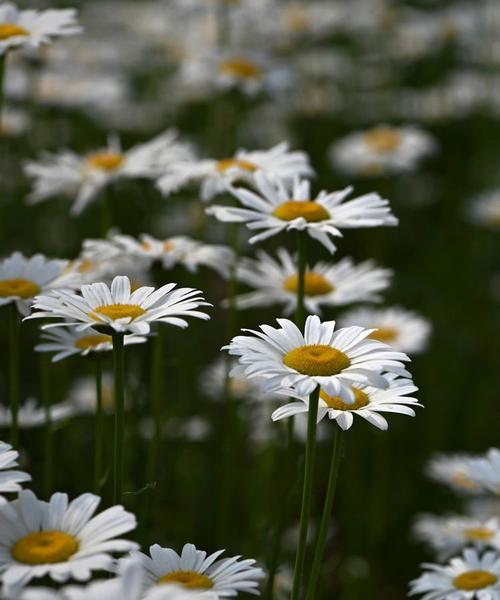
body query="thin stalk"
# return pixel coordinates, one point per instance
(155, 388)
(3, 68)
(301, 276)
(119, 375)
(306, 493)
(14, 372)
(327, 511)
(48, 433)
(99, 426)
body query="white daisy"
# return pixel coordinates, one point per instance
(22, 278)
(368, 403)
(485, 209)
(67, 342)
(449, 535)
(15, 122)
(333, 360)
(81, 396)
(31, 28)
(33, 414)
(276, 282)
(10, 480)
(120, 310)
(381, 150)
(463, 578)
(275, 208)
(195, 571)
(215, 176)
(59, 539)
(486, 471)
(402, 329)
(83, 177)
(455, 470)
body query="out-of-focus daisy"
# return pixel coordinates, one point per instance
(10, 479)
(486, 471)
(368, 403)
(67, 342)
(449, 535)
(194, 570)
(81, 396)
(483, 507)
(22, 278)
(215, 176)
(59, 539)
(32, 414)
(463, 578)
(402, 329)
(325, 284)
(381, 150)
(485, 209)
(455, 470)
(83, 177)
(32, 28)
(15, 122)
(321, 356)
(275, 208)
(314, 19)
(119, 309)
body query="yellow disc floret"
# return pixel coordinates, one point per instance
(117, 311)
(235, 163)
(43, 547)
(188, 579)
(105, 161)
(384, 334)
(383, 139)
(361, 399)
(10, 30)
(316, 360)
(18, 288)
(482, 534)
(474, 580)
(87, 342)
(241, 68)
(315, 284)
(312, 212)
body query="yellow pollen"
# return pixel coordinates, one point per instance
(91, 341)
(188, 579)
(474, 580)
(383, 139)
(44, 547)
(360, 399)
(314, 284)
(384, 334)
(479, 533)
(312, 212)
(9, 30)
(106, 161)
(297, 18)
(168, 246)
(241, 68)
(316, 360)
(461, 480)
(18, 287)
(235, 163)
(117, 311)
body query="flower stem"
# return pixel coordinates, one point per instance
(48, 434)
(14, 372)
(119, 375)
(99, 426)
(155, 387)
(3, 69)
(327, 511)
(302, 266)
(306, 492)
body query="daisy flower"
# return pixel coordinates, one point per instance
(321, 356)
(10, 480)
(32, 28)
(368, 403)
(486, 471)
(448, 535)
(215, 176)
(402, 329)
(59, 539)
(485, 209)
(468, 577)
(23, 278)
(456, 470)
(117, 309)
(194, 570)
(382, 150)
(82, 397)
(32, 414)
(325, 284)
(274, 208)
(83, 177)
(67, 342)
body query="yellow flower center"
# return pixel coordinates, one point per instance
(168, 246)
(9, 30)
(188, 579)
(105, 161)
(117, 311)
(18, 287)
(297, 18)
(42, 547)
(91, 341)
(360, 399)
(293, 209)
(479, 533)
(383, 139)
(235, 163)
(474, 580)
(241, 68)
(317, 360)
(461, 480)
(314, 284)
(384, 334)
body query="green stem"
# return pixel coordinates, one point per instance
(119, 375)
(14, 372)
(99, 426)
(302, 266)
(48, 434)
(327, 511)
(306, 493)
(3, 69)
(155, 388)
